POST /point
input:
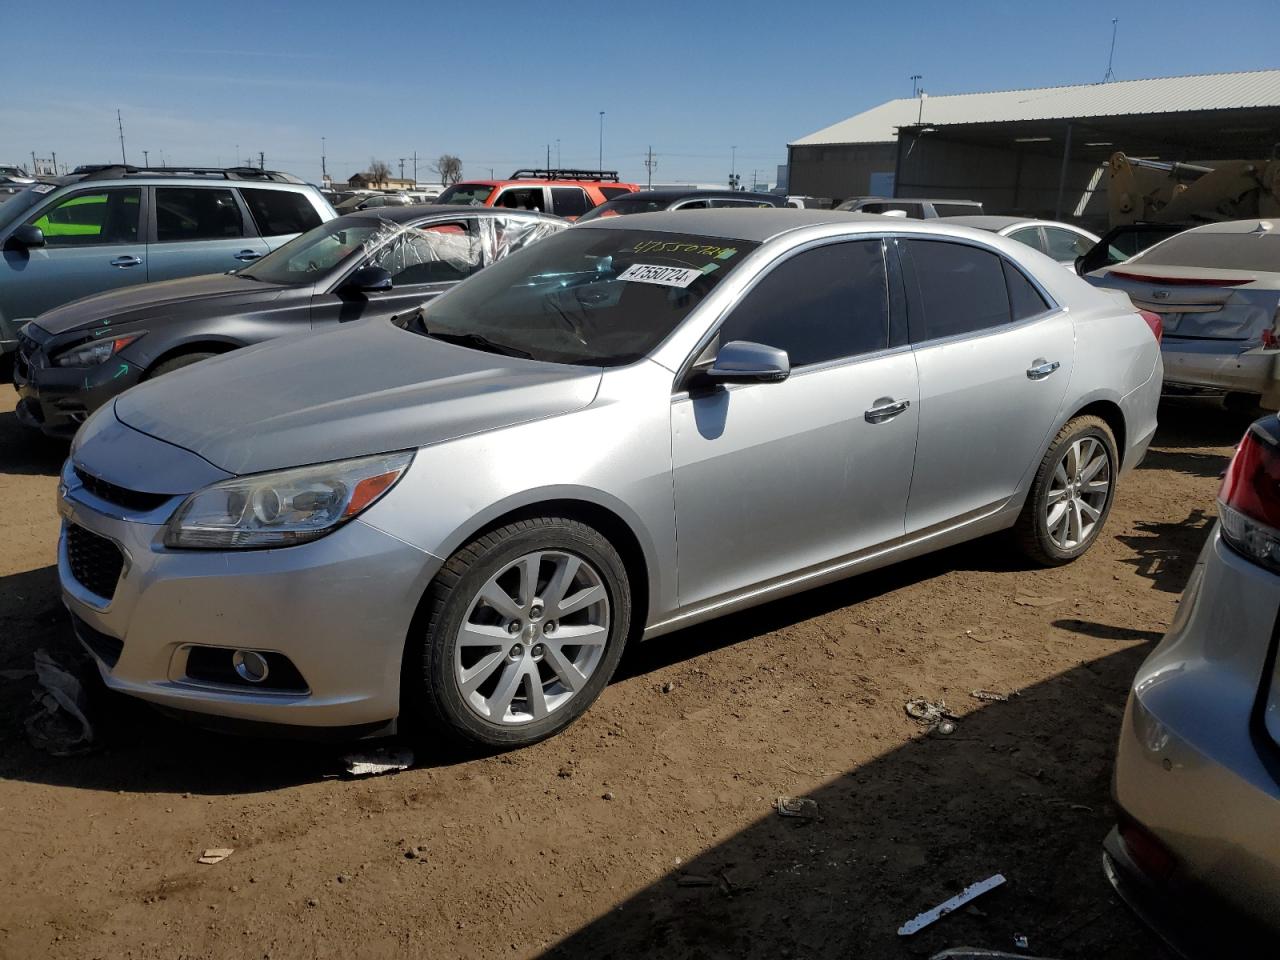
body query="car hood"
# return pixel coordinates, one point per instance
(154, 299)
(359, 390)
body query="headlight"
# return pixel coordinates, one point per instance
(92, 354)
(284, 508)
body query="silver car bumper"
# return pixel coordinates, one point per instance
(1220, 365)
(1195, 768)
(338, 609)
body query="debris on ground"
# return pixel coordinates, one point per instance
(801, 807)
(694, 880)
(668, 687)
(59, 725)
(935, 716)
(990, 695)
(1020, 942)
(980, 953)
(1030, 600)
(377, 762)
(215, 855)
(971, 892)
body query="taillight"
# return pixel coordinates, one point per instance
(1154, 322)
(1249, 501)
(1149, 855)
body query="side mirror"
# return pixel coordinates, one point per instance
(1080, 265)
(27, 235)
(370, 280)
(741, 361)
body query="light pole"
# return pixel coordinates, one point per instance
(733, 166)
(600, 161)
(558, 153)
(324, 174)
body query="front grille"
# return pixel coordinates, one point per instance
(105, 648)
(120, 496)
(96, 562)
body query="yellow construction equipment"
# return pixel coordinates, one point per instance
(1154, 191)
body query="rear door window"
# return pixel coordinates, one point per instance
(1024, 299)
(1030, 236)
(522, 198)
(956, 289)
(92, 217)
(823, 304)
(1065, 245)
(569, 201)
(197, 213)
(280, 212)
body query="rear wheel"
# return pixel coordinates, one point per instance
(1071, 495)
(177, 363)
(524, 627)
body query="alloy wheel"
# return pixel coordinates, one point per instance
(1078, 492)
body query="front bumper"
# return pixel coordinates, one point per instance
(56, 400)
(1194, 767)
(338, 608)
(1219, 365)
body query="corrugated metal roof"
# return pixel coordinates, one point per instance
(1210, 91)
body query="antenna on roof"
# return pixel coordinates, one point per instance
(915, 84)
(1111, 74)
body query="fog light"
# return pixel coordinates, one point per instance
(250, 666)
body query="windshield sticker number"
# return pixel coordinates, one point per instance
(662, 276)
(43, 187)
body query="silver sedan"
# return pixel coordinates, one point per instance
(459, 518)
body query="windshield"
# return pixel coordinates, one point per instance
(597, 297)
(468, 194)
(621, 207)
(22, 201)
(1223, 251)
(319, 250)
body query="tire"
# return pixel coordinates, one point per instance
(177, 363)
(1055, 544)
(438, 665)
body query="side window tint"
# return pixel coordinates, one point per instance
(569, 201)
(1024, 299)
(524, 198)
(823, 304)
(959, 289)
(1029, 236)
(197, 213)
(280, 212)
(85, 219)
(693, 205)
(611, 192)
(1064, 245)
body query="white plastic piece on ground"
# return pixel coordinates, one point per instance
(971, 892)
(377, 762)
(215, 855)
(59, 725)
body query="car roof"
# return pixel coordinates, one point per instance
(1252, 225)
(672, 194)
(995, 223)
(755, 225)
(421, 211)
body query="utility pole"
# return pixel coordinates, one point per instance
(324, 174)
(35, 171)
(162, 159)
(402, 160)
(120, 125)
(415, 168)
(733, 168)
(54, 153)
(915, 84)
(262, 160)
(650, 163)
(600, 162)
(146, 158)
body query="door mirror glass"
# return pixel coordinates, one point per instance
(741, 361)
(370, 280)
(28, 235)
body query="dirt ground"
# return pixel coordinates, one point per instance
(647, 829)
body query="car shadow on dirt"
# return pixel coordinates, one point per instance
(1021, 788)
(1166, 552)
(1191, 422)
(24, 451)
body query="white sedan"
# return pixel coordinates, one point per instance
(1061, 241)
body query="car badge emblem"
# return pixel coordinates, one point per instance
(1161, 294)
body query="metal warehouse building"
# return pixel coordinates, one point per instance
(1037, 152)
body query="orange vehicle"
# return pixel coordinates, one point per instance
(566, 193)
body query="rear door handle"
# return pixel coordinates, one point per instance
(127, 262)
(1042, 369)
(248, 255)
(886, 409)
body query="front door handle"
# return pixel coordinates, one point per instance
(1042, 368)
(248, 255)
(886, 409)
(127, 262)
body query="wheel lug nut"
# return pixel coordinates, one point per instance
(549, 627)
(535, 613)
(537, 650)
(513, 627)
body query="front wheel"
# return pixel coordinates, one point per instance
(1071, 494)
(524, 627)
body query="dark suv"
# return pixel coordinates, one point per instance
(117, 226)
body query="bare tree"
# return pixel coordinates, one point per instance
(379, 171)
(448, 168)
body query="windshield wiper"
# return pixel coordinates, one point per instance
(479, 342)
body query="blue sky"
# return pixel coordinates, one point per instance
(496, 82)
